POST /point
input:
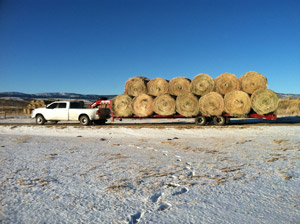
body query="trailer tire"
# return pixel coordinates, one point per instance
(200, 120)
(40, 119)
(219, 120)
(84, 120)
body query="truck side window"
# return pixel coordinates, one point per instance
(62, 105)
(75, 105)
(52, 106)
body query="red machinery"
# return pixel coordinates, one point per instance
(199, 120)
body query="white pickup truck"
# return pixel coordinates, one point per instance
(69, 111)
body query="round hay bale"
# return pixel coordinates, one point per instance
(252, 81)
(202, 84)
(179, 85)
(226, 83)
(122, 105)
(136, 86)
(157, 86)
(264, 101)
(164, 105)
(211, 104)
(237, 103)
(143, 105)
(187, 105)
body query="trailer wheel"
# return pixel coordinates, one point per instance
(40, 119)
(200, 120)
(219, 120)
(84, 120)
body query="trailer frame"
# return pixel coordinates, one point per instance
(200, 119)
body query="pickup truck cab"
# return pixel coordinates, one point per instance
(69, 111)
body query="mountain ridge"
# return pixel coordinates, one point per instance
(55, 95)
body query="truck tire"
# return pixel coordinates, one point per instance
(200, 120)
(219, 120)
(84, 120)
(40, 119)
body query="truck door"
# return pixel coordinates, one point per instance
(74, 110)
(48, 114)
(57, 111)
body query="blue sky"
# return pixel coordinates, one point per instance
(94, 47)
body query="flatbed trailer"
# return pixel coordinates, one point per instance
(200, 119)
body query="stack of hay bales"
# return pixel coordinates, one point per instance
(143, 97)
(33, 104)
(201, 95)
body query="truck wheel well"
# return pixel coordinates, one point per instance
(39, 114)
(82, 115)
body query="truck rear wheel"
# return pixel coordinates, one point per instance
(40, 119)
(200, 120)
(84, 120)
(219, 120)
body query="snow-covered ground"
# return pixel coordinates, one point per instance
(75, 174)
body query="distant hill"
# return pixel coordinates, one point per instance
(292, 96)
(90, 97)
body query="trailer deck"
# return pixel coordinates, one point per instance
(200, 119)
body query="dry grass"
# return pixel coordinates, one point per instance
(88, 170)
(220, 180)
(185, 148)
(120, 185)
(33, 182)
(117, 187)
(148, 174)
(272, 159)
(117, 156)
(230, 169)
(23, 139)
(280, 141)
(187, 184)
(12, 107)
(285, 175)
(143, 140)
(213, 151)
(169, 143)
(289, 107)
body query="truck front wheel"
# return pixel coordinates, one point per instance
(84, 120)
(40, 119)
